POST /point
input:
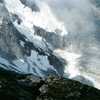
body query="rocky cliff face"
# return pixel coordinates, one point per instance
(17, 86)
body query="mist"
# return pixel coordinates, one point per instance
(77, 16)
(74, 14)
(81, 23)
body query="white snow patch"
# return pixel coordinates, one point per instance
(44, 19)
(34, 64)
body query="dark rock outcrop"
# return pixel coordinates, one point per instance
(18, 86)
(53, 38)
(56, 88)
(15, 86)
(31, 4)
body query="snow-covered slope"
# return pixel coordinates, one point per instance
(51, 37)
(21, 49)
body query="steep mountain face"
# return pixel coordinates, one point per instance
(51, 37)
(15, 45)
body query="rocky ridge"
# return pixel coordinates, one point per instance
(18, 86)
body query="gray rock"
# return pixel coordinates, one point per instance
(56, 88)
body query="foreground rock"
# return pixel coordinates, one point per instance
(14, 86)
(56, 88)
(17, 86)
